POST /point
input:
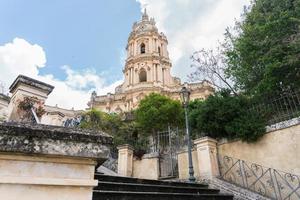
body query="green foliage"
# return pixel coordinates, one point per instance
(263, 53)
(156, 112)
(93, 119)
(224, 115)
(123, 132)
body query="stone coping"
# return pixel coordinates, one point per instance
(125, 146)
(32, 82)
(204, 140)
(185, 150)
(269, 129)
(151, 155)
(54, 132)
(54, 141)
(4, 97)
(48, 181)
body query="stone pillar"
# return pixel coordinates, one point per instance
(125, 160)
(207, 157)
(49, 162)
(24, 86)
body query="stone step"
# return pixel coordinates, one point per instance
(142, 187)
(121, 179)
(125, 195)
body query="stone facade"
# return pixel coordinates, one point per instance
(4, 101)
(147, 69)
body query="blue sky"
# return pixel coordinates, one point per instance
(78, 46)
(78, 33)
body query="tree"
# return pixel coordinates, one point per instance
(123, 132)
(263, 50)
(224, 115)
(93, 119)
(210, 65)
(156, 112)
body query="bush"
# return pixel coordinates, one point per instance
(123, 132)
(226, 116)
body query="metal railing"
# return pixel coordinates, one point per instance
(171, 137)
(279, 107)
(266, 181)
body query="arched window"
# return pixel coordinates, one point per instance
(143, 48)
(158, 50)
(143, 76)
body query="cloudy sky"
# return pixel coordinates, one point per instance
(79, 45)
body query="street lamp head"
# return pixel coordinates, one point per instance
(185, 96)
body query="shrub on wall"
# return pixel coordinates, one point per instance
(225, 116)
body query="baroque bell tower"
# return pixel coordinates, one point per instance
(147, 60)
(147, 69)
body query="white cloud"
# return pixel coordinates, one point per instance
(191, 25)
(21, 57)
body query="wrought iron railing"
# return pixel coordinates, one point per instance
(173, 137)
(279, 107)
(266, 181)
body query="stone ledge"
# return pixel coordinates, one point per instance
(54, 132)
(48, 181)
(151, 155)
(284, 124)
(4, 97)
(21, 79)
(51, 159)
(54, 141)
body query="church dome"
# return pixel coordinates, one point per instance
(146, 25)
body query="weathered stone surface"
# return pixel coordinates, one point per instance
(53, 140)
(238, 192)
(4, 97)
(32, 82)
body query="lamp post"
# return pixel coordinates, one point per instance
(185, 97)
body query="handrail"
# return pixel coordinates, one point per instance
(269, 182)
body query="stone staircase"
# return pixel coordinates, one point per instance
(124, 188)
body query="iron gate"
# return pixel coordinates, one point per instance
(167, 144)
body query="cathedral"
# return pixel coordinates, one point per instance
(147, 69)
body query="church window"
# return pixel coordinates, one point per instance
(143, 48)
(158, 50)
(143, 76)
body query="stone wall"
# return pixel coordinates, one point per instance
(183, 165)
(147, 167)
(46, 162)
(278, 149)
